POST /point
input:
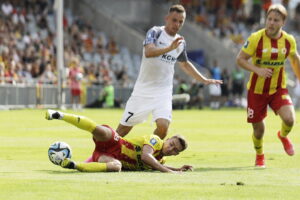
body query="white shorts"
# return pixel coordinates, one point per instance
(214, 90)
(138, 109)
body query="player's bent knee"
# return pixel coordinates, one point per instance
(289, 121)
(114, 166)
(258, 127)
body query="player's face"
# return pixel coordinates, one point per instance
(174, 22)
(274, 23)
(172, 147)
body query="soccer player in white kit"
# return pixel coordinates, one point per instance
(152, 92)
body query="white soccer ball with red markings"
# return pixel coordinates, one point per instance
(58, 151)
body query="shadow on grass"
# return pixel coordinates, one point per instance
(60, 171)
(207, 169)
(200, 169)
(78, 172)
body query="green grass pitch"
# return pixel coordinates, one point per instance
(220, 149)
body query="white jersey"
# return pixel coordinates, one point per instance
(156, 73)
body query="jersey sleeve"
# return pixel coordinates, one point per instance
(250, 45)
(183, 56)
(152, 35)
(154, 141)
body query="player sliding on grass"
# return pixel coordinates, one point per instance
(113, 153)
(269, 49)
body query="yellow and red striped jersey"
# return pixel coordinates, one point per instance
(269, 53)
(132, 150)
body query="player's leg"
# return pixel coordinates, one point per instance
(76, 120)
(287, 115)
(162, 115)
(257, 138)
(100, 133)
(112, 164)
(162, 126)
(123, 130)
(283, 106)
(256, 112)
(104, 164)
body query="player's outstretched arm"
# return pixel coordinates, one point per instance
(149, 159)
(191, 70)
(152, 51)
(182, 169)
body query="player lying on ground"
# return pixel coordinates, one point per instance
(113, 153)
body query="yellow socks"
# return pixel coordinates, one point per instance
(285, 130)
(258, 145)
(80, 122)
(91, 167)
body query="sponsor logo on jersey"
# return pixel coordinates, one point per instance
(168, 58)
(274, 50)
(269, 63)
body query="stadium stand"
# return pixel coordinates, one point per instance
(27, 48)
(27, 38)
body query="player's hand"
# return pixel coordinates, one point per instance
(264, 72)
(176, 172)
(186, 168)
(176, 43)
(212, 81)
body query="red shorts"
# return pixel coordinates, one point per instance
(258, 104)
(75, 92)
(111, 147)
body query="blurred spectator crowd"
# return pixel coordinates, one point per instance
(229, 94)
(232, 21)
(28, 49)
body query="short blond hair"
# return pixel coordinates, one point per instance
(279, 9)
(177, 8)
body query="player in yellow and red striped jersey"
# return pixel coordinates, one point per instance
(269, 48)
(113, 153)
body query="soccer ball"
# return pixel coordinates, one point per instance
(79, 76)
(58, 151)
